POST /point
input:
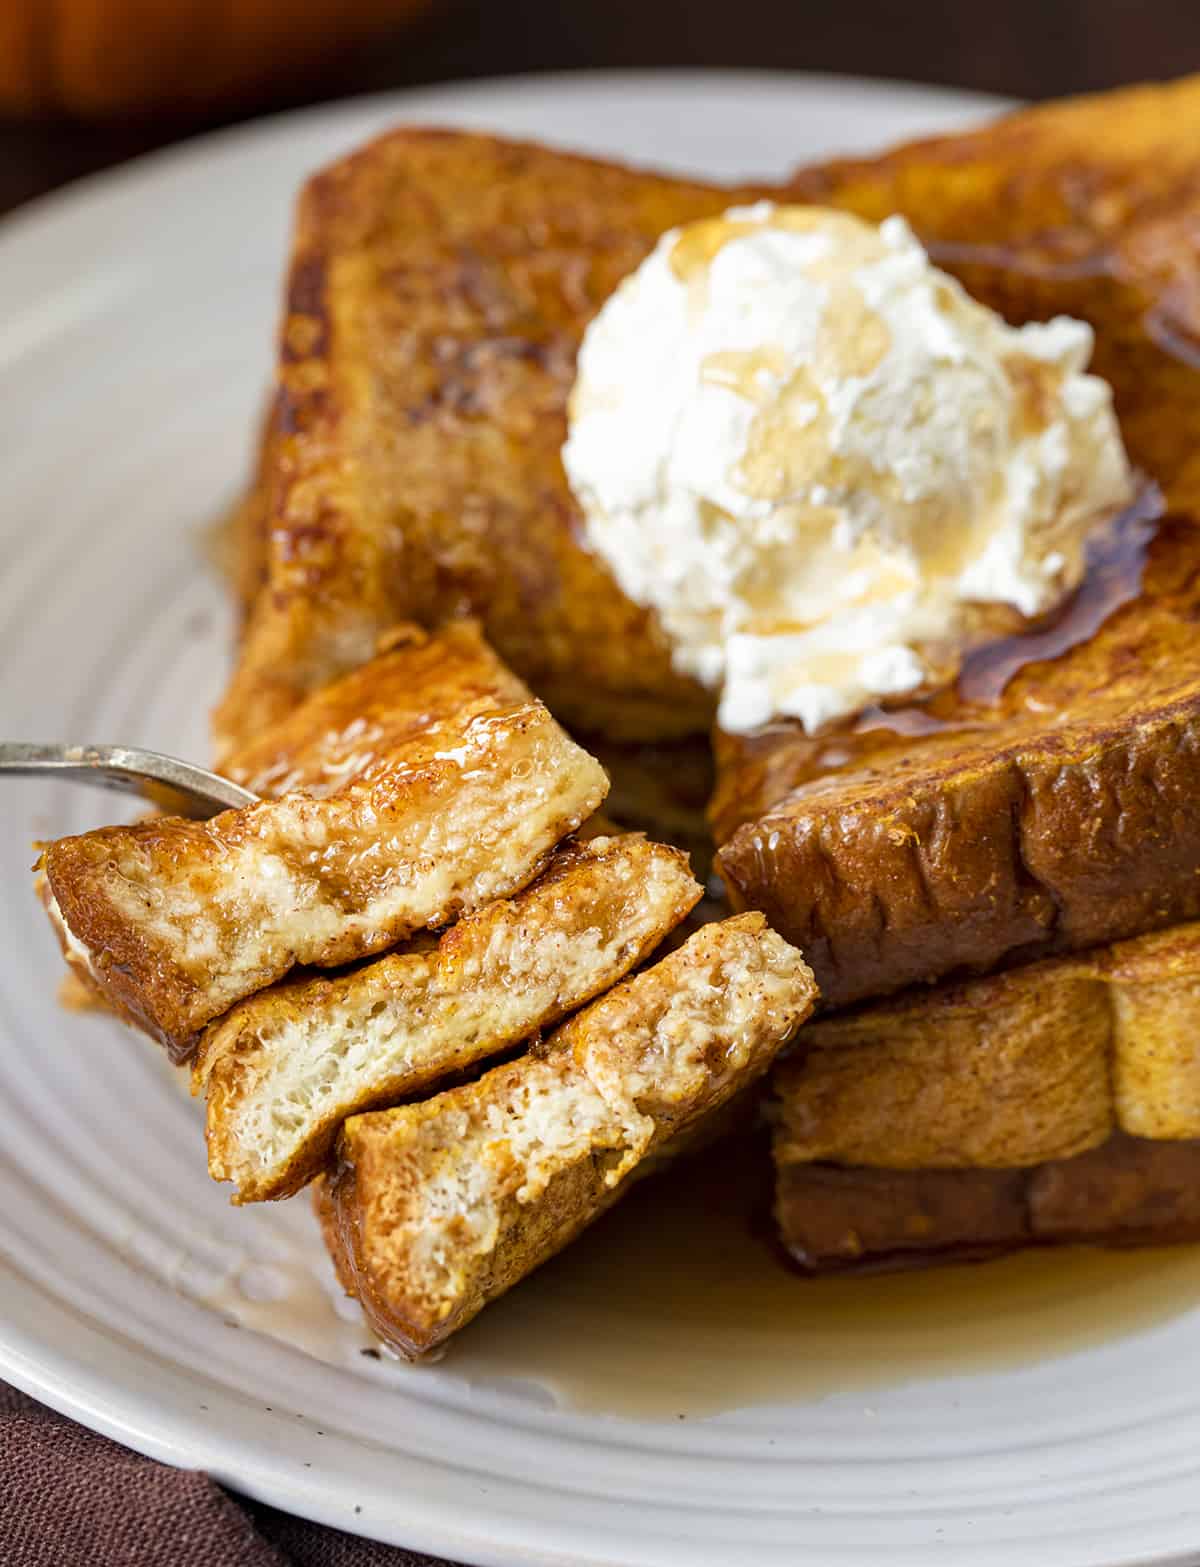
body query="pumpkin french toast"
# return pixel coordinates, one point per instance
(440, 285)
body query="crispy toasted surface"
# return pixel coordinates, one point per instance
(1154, 992)
(1056, 813)
(439, 1207)
(1005, 1071)
(287, 1066)
(1035, 1064)
(459, 798)
(1126, 1192)
(240, 542)
(438, 289)
(80, 989)
(416, 687)
(1052, 833)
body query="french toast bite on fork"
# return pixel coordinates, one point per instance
(436, 1208)
(460, 785)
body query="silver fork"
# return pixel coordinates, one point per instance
(180, 788)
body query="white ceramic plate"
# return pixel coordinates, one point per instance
(1011, 1415)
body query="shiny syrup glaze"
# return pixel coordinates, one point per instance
(1115, 565)
(1117, 557)
(756, 771)
(709, 1319)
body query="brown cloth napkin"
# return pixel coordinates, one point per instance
(69, 1498)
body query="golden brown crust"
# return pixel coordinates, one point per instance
(966, 852)
(1057, 814)
(284, 1068)
(458, 799)
(241, 536)
(79, 990)
(338, 1246)
(1038, 1063)
(348, 730)
(438, 289)
(1126, 1192)
(441, 1206)
(1006, 1071)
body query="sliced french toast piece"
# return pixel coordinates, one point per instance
(437, 1208)
(416, 686)
(1055, 830)
(461, 786)
(284, 1069)
(1010, 1070)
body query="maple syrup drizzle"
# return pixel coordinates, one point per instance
(1116, 562)
(900, 720)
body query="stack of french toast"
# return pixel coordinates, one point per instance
(422, 973)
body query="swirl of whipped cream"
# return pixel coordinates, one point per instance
(810, 452)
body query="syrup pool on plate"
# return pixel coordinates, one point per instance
(674, 1305)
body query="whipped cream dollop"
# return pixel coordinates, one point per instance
(812, 453)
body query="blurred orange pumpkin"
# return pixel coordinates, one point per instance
(116, 57)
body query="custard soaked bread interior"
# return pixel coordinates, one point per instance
(286, 1067)
(1005, 820)
(459, 799)
(1055, 1100)
(439, 1207)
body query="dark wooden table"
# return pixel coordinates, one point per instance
(1026, 48)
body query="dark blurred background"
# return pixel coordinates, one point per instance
(87, 83)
